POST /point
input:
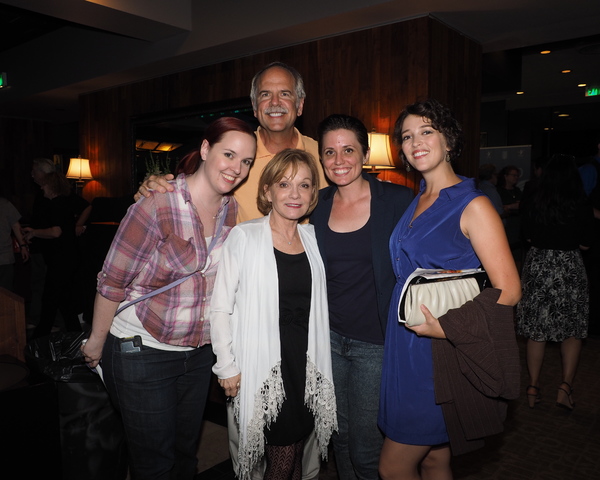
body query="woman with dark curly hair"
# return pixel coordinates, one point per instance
(443, 381)
(559, 224)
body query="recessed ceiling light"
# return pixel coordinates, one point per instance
(566, 71)
(545, 52)
(563, 114)
(520, 93)
(582, 85)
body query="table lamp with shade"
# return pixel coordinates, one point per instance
(79, 170)
(380, 157)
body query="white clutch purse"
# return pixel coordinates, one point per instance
(438, 290)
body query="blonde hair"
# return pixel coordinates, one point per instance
(276, 169)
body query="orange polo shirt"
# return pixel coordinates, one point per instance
(246, 193)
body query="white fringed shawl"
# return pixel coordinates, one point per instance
(245, 337)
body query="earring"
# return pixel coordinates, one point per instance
(407, 166)
(447, 156)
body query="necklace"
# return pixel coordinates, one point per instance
(207, 210)
(289, 242)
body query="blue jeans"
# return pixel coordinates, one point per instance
(161, 396)
(356, 376)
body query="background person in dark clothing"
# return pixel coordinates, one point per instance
(590, 175)
(59, 254)
(558, 224)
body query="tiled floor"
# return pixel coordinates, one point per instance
(213, 453)
(544, 443)
(224, 471)
(213, 448)
(547, 442)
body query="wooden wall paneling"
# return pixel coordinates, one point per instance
(365, 72)
(202, 87)
(198, 88)
(371, 74)
(12, 325)
(410, 80)
(456, 68)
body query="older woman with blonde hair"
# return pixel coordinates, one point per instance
(269, 324)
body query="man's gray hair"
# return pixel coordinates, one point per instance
(44, 165)
(299, 83)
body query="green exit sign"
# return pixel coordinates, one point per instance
(3, 80)
(592, 92)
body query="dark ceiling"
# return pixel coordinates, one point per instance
(19, 26)
(538, 76)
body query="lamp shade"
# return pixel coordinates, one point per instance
(381, 155)
(79, 169)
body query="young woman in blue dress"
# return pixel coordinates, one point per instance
(450, 225)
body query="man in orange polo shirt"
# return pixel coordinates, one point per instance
(277, 95)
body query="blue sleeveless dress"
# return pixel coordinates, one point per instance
(407, 411)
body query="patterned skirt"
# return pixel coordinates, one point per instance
(555, 299)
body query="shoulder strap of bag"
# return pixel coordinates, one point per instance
(213, 242)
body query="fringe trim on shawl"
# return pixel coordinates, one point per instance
(319, 397)
(267, 405)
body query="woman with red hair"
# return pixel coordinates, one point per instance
(157, 354)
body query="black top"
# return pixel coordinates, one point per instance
(61, 249)
(351, 285)
(44, 215)
(295, 421)
(568, 236)
(509, 196)
(388, 203)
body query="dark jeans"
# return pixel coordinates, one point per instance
(161, 396)
(357, 377)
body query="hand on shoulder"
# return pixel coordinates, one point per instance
(158, 183)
